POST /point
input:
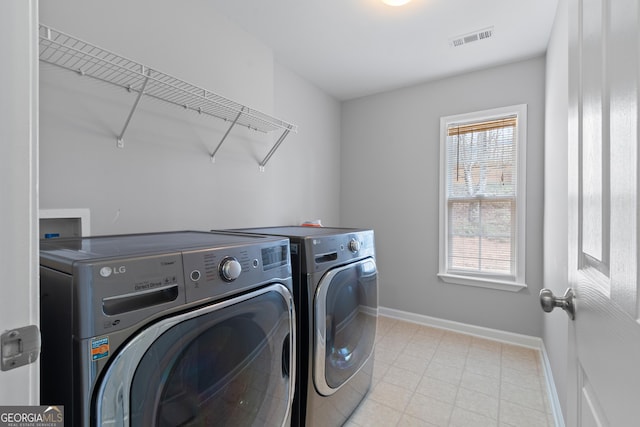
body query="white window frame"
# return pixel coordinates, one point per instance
(501, 282)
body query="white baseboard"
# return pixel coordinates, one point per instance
(492, 334)
(551, 388)
(479, 331)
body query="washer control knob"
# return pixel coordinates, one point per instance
(230, 269)
(354, 245)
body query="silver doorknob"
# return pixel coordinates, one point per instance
(548, 302)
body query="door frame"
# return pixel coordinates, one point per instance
(19, 246)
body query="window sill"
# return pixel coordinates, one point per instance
(502, 285)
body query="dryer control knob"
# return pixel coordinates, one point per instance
(354, 245)
(230, 269)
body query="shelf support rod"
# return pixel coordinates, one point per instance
(213, 155)
(135, 105)
(274, 148)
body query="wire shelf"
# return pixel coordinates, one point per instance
(71, 53)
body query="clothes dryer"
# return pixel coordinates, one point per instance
(168, 329)
(335, 288)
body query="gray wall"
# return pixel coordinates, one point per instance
(555, 324)
(163, 179)
(390, 172)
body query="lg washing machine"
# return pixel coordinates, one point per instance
(335, 287)
(168, 329)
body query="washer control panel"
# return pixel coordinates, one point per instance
(220, 272)
(116, 282)
(324, 252)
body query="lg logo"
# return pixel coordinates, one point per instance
(108, 271)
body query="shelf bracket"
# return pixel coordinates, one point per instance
(213, 155)
(273, 149)
(120, 142)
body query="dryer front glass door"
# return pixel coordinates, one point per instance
(346, 309)
(226, 365)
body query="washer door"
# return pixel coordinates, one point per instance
(346, 310)
(229, 363)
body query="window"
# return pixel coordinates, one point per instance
(482, 198)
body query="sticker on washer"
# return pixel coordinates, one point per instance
(99, 348)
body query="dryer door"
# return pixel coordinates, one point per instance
(229, 363)
(345, 312)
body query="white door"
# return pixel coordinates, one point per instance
(18, 191)
(604, 347)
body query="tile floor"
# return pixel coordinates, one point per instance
(425, 376)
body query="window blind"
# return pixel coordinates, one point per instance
(481, 196)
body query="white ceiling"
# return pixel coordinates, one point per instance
(352, 48)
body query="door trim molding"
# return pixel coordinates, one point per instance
(19, 115)
(528, 341)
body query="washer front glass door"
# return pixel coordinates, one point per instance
(226, 366)
(346, 309)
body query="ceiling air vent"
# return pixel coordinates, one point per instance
(471, 37)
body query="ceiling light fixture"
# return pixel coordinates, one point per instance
(395, 2)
